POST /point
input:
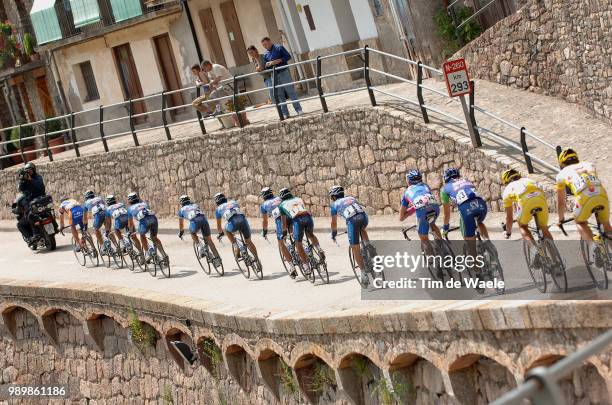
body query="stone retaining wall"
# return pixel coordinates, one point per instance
(450, 353)
(367, 150)
(560, 48)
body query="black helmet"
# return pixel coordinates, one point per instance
(184, 200)
(266, 193)
(285, 194)
(451, 173)
(336, 192)
(220, 198)
(133, 198)
(31, 167)
(88, 195)
(110, 199)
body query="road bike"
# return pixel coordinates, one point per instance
(158, 260)
(203, 251)
(368, 252)
(543, 258)
(244, 256)
(597, 255)
(491, 268)
(130, 256)
(88, 251)
(109, 249)
(441, 249)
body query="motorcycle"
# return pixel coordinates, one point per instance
(44, 224)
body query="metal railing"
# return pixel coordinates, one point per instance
(232, 100)
(542, 383)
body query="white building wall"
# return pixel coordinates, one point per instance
(326, 33)
(364, 19)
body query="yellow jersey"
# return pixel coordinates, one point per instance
(581, 178)
(521, 190)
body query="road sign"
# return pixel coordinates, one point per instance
(457, 79)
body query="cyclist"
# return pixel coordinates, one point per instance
(235, 221)
(270, 209)
(118, 214)
(294, 213)
(95, 205)
(147, 222)
(418, 198)
(74, 211)
(582, 180)
(197, 222)
(472, 208)
(356, 222)
(525, 195)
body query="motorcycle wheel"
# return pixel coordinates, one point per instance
(50, 242)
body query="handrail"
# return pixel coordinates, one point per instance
(469, 120)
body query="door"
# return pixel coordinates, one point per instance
(169, 71)
(212, 36)
(44, 96)
(234, 33)
(128, 76)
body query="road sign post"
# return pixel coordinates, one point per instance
(458, 84)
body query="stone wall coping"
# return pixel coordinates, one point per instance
(380, 317)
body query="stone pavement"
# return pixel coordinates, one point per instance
(551, 119)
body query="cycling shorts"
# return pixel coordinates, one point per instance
(121, 222)
(98, 220)
(300, 225)
(584, 208)
(425, 216)
(279, 228)
(148, 224)
(200, 223)
(473, 212)
(239, 223)
(76, 216)
(354, 225)
(523, 212)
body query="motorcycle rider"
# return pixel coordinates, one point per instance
(31, 186)
(20, 209)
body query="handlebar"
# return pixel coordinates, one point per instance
(452, 230)
(406, 230)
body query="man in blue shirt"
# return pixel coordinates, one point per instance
(277, 55)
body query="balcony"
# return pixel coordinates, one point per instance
(58, 23)
(17, 49)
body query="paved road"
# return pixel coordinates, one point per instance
(276, 292)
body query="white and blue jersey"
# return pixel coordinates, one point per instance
(271, 208)
(234, 218)
(147, 221)
(118, 213)
(97, 208)
(472, 207)
(196, 217)
(420, 198)
(356, 219)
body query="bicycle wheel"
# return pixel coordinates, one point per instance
(467, 272)
(257, 269)
(80, 256)
(196, 250)
(592, 253)
(537, 275)
(162, 261)
(556, 265)
(244, 268)
(91, 251)
(286, 264)
(494, 267)
(354, 266)
(150, 264)
(445, 250)
(321, 268)
(218, 267)
(118, 256)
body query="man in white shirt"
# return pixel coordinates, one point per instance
(216, 74)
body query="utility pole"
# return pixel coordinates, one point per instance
(185, 4)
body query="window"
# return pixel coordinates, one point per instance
(89, 82)
(378, 8)
(311, 23)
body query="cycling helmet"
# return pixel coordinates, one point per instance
(568, 157)
(451, 173)
(110, 199)
(336, 192)
(285, 194)
(509, 176)
(31, 167)
(266, 193)
(184, 200)
(133, 198)
(220, 198)
(88, 195)
(414, 176)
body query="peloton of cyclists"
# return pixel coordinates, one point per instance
(197, 223)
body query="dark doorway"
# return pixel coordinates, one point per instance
(169, 71)
(234, 33)
(130, 83)
(212, 36)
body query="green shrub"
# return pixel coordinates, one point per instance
(445, 28)
(28, 44)
(143, 335)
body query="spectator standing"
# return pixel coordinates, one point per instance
(217, 74)
(201, 80)
(277, 55)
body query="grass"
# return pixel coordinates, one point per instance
(287, 379)
(143, 335)
(322, 378)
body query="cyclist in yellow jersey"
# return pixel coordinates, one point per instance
(521, 196)
(584, 184)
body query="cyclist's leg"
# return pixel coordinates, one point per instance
(582, 213)
(423, 230)
(75, 235)
(246, 233)
(153, 229)
(97, 224)
(206, 234)
(309, 229)
(468, 222)
(281, 243)
(143, 228)
(298, 237)
(194, 227)
(353, 231)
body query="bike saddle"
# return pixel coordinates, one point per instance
(598, 208)
(536, 210)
